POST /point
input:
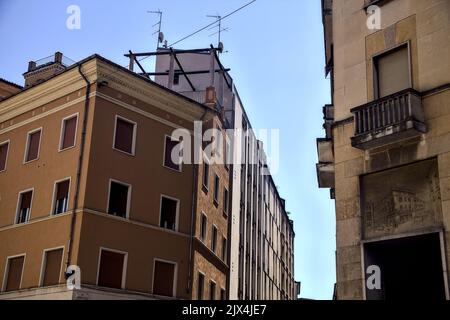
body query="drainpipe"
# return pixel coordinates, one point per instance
(193, 209)
(79, 168)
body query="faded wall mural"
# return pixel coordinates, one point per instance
(401, 200)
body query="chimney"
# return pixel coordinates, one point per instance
(210, 96)
(42, 70)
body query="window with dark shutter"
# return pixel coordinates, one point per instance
(23, 214)
(33, 146)
(216, 189)
(111, 269)
(68, 133)
(52, 267)
(225, 200)
(118, 199)
(163, 279)
(205, 174)
(61, 197)
(214, 239)
(169, 162)
(3, 155)
(203, 227)
(212, 290)
(200, 286)
(392, 72)
(14, 275)
(224, 249)
(124, 136)
(223, 295)
(168, 213)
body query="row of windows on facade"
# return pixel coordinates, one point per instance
(111, 273)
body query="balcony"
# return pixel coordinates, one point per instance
(388, 120)
(325, 167)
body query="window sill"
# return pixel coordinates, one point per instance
(133, 154)
(205, 189)
(216, 203)
(30, 161)
(68, 148)
(173, 169)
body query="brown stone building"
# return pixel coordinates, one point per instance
(386, 154)
(87, 179)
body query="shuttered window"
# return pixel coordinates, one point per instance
(200, 286)
(3, 155)
(124, 136)
(169, 162)
(392, 71)
(14, 275)
(111, 269)
(163, 278)
(61, 197)
(23, 214)
(226, 201)
(118, 199)
(52, 267)
(223, 295)
(214, 239)
(212, 290)
(32, 152)
(203, 227)
(216, 189)
(68, 133)
(168, 213)
(205, 174)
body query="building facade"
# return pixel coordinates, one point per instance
(386, 151)
(87, 179)
(261, 234)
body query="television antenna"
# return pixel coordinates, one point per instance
(159, 24)
(218, 25)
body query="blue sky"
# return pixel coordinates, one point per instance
(275, 52)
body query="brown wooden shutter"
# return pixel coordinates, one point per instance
(170, 145)
(111, 269)
(70, 126)
(3, 155)
(15, 267)
(26, 200)
(63, 190)
(124, 136)
(393, 72)
(163, 279)
(52, 269)
(33, 145)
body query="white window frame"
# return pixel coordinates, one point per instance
(44, 263)
(6, 273)
(133, 144)
(54, 195)
(124, 267)
(177, 213)
(175, 275)
(216, 189)
(7, 153)
(127, 216)
(180, 166)
(18, 202)
(27, 146)
(63, 130)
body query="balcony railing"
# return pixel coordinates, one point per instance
(389, 119)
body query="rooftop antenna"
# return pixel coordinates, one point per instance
(159, 24)
(219, 25)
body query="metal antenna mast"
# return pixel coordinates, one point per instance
(159, 24)
(219, 24)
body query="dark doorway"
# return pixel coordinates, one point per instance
(411, 268)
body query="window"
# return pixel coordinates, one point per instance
(169, 213)
(51, 268)
(392, 72)
(124, 136)
(111, 272)
(68, 132)
(4, 147)
(216, 189)
(223, 295)
(164, 278)
(24, 207)
(13, 273)
(169, 162)
(214, 239)
(203, 227)
(33, 144)
(176, 77)
(61, 199)
(227, 154)
(226, 201)
(205, 174)
(212, 290)
(224, 249)
(119, 194)
(201, 286)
